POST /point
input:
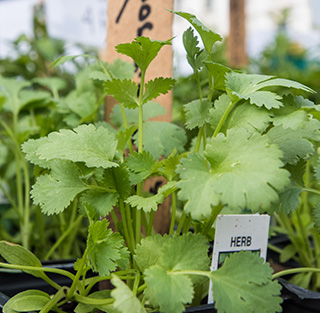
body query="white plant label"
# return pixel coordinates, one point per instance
(239, 232)
(79, 21)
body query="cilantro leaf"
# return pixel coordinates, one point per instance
(195, 56)
(197, 113)
(248, 87)
(142, 50)
(209, 38)
(54, 192)
(94, 146)
(153, 88)
(245, 172)
(244, 284)
(168, 291)
(53, 83)
(161, 138)
(316, 216)
(151, 203)
(102, 202)
(124, 91)
(105, 248)
(125, 300)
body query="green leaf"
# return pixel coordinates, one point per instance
(292, 142)
(27, 301)
(121, 69)
(93, 146)
(243, 284)
(102, 202)
(142, 50)
(66, 58)
(287, 253)
(161, 138)
(18, 255)
(197, 113)
(168, 291)
(123, 138)
(248, 87)
(209, 38)
(125, 300)
(218, 72)
(54, 193)
(245, 172)
(153, 88)
(53, 83)
(105, 248)
(195, 56)
(141, 166)
(151, 203)
(124, 91)
(170, 252)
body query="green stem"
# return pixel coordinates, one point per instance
(129, 223)
(125, 222)
(198, 142)
(187, 224)
(296, 271)
(54, 300)
(40, 269)
(214, 214)
(150, 224)
(75, 282)
(140, 126)
(125, 124)
(181, 222)
(63, 237)
(173, 212)
(92, 301)
(223, 118)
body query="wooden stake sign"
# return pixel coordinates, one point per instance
(128, 19)
(237, 36)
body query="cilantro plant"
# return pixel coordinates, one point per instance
(242, 159)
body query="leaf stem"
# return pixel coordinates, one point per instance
(223, 118)
(54, 300)
(296, 271)
(173, 212)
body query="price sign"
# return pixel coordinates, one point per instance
(80, 21)
(239, 232)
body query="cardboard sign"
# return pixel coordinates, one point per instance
(239, 232)
(128, 19)
(79, 21)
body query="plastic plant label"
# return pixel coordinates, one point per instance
(79, 21)
(239, 232)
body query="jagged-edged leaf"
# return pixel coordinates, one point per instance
(195, 56)
(141, 166)
(53, 83)
(289, 199)
(103, 202)
(197, 113)
(105, 248)
(245, 172)
(169, 166)
(27, 301)
(98, 75)
(196, 186)
(167, 291)
(317, 171)
(125, 300)
(153, 88)
(124, 91)
(54, 192)
(86, 143)
(218, 71)
(118, 180)
(33, 98)
(150, 109)
(151, 203)
(142, 50)
(294, 144)
(244, 283)
(161, 138)
(248, 87)
(18, 255)
(121, 69)
(170, 252)
(209, 38)
(123, 138)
